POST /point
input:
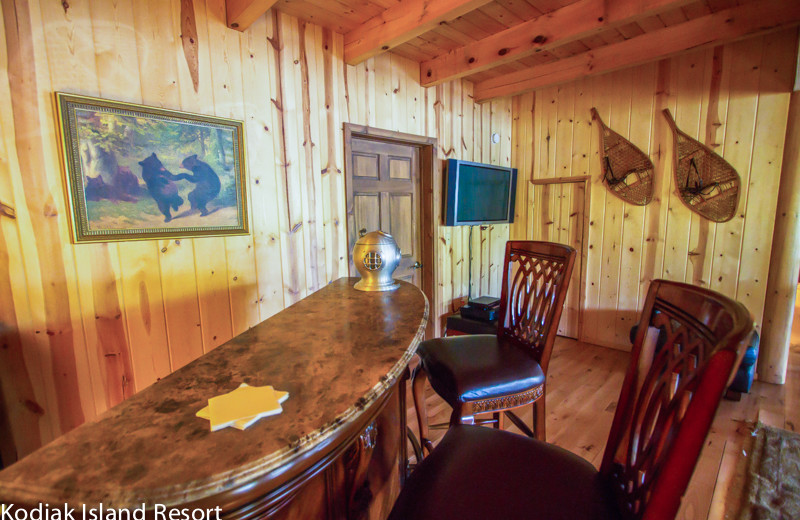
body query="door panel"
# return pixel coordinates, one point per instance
(400, 168)
(365, 165)
(558, 217)
(401, 211)
(368, 210)
(385, 189)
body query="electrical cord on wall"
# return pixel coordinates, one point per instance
(469, 283)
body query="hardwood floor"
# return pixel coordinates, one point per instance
(582, 389)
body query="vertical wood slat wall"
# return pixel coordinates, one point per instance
(84, 326)
(734, 98)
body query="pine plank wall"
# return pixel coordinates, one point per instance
(733, 98)
(85, 326)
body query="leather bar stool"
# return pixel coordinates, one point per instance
(498, 372)
(665, 410)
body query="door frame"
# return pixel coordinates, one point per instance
(428, 171)
(585, 179)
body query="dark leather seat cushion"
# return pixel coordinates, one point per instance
(481, 473)
(466, 368)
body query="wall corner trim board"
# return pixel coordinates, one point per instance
(87, 325)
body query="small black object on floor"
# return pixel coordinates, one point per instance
(484, 309)
(460, 324)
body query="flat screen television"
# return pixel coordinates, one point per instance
(479, 193)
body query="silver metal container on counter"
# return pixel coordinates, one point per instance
(376, 256)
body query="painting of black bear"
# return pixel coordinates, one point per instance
(124, 186)
(140, 172)
(206, 182)
(105, 178)
(160, 185)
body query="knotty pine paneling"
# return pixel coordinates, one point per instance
(735, 99)
(85, 326)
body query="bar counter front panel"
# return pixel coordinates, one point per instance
(336, 451)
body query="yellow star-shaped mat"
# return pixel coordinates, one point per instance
(243, 406)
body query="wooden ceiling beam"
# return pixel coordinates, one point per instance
(757, 17)
(241, 14)
(401, 23)
(581, 19)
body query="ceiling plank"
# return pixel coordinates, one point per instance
(575, 21)
(758, 17)
(401, 23)
(242, 13)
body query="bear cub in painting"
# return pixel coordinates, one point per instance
(205, 178)
(105, 178)
(161, 188)
(125, 186)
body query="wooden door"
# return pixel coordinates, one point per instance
(558, 213)
(383, 193)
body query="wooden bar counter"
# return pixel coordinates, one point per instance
(334, 452)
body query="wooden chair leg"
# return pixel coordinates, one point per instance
(418, 380)
(539, 418)
(519, 423)
(457, 418)
(404, 429)
(497, 417)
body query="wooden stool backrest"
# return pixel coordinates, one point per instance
(535, 281)
(678, 373)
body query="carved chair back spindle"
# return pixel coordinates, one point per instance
(677, 375)
(531, 302)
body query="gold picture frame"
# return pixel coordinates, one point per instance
(134, 172)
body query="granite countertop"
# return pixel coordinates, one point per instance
(335, 352)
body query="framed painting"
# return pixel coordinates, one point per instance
(137, 173)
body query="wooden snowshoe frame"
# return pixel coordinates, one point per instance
(627, 171)
(707, 184)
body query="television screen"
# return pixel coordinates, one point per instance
(479, 193)
(482, 193)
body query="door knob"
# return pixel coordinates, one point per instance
(416, 265)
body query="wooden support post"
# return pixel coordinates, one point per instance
(571, 22)
(757, 17)
(401, 23)
(242, 13)
(784, 266)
